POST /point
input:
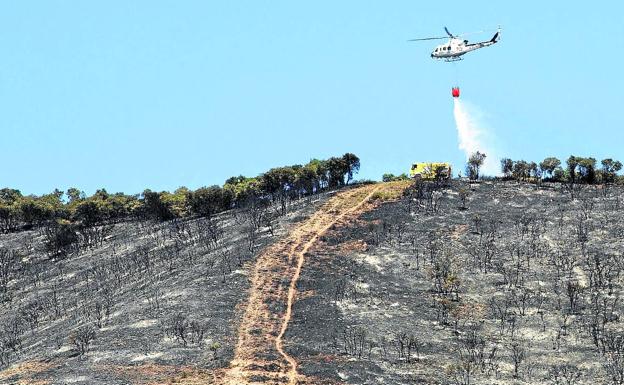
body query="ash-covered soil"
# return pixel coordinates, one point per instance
(514, 284)
(149, 303)
(521, 284)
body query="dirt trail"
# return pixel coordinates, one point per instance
(259, 356)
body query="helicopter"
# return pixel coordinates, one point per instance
(456, 47)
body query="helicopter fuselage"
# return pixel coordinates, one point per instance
(455, 48)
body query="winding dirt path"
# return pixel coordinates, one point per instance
(259, 355)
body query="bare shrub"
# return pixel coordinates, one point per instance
(518, 353)
(197, 332)
(462, 372)
(407, 344)
(177, 327)
(354, 341)
(564, 374)
(81, 338)
(184, 330)
(10, 262)
(574, 290)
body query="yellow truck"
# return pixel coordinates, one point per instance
(431, 171)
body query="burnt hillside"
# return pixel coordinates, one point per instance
(141, 302)
(484, 283)
(519, 284)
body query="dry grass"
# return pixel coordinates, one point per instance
(353, 246)
(391, 191)
(25, 373)
(153, 374)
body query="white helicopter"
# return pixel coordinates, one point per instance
(456, 47)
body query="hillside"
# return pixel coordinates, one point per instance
(380, 283)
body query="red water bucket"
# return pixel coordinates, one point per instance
(455, 92)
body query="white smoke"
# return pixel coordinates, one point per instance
(473, 136)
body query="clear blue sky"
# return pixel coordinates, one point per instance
(129, 95)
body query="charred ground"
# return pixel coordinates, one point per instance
(148, 303)
(495, 282)
(519, 284)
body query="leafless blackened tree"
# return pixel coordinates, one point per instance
(574, 289)
(586, 207)
(472, 346)
(518, 354)
(564, 374)
(184, 329)
(10, 264)
(462, 372)
(31, 313)
(444, 307)
(56, 302)
(433, 245)
(483, 253)
(225, 262)
(82, 337)
(354, 341)
(613, 350)
(197, 331)
(153, 293)
(410, 195)
(414, 242)
(522, 298)
(253, 216)
(581, 232)
(107, 295)
(562, 330)
(210, 232)
(563, 260)
(11, 333)
(93, 235)
(406, 345)
(269, 220)
(500, 308)
(177, 327)
(399, 226)
(604, 270)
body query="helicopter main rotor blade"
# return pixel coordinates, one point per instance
(448, 33)
(429, 38)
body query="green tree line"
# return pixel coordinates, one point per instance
(277, 185)
(577, 169)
